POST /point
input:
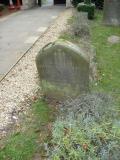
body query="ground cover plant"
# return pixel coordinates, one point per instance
(76, 2)
(30, 135)
(99, 3)
(1, 7)
(73, 139)
(88, 128)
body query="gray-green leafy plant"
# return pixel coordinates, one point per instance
(87, 129)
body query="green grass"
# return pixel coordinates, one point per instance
(19, 147)
(107, 55)
(24, 144)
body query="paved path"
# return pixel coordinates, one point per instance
(19, 31)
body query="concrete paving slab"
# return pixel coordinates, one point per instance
(19, 31)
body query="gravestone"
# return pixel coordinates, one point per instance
(114, 39)
(63, 70)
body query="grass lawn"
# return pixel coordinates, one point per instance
(108, 57)
(25, 143)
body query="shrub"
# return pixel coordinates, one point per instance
(89, 8)
(98, 106)
(1, 7)
(86, 130)
(98, 3)
(75, 2)
(74, 140)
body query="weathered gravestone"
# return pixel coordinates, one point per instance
(114, 39)
(63, 69)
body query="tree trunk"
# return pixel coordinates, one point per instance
(112, 12)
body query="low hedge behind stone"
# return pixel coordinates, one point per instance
(89, 8)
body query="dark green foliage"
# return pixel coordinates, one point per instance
(89, 8)
(76, 2)
(98, 3)
(95, 105)
(87, 1)
(1, 7)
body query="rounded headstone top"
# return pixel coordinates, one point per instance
(63, 69)
(64, 45)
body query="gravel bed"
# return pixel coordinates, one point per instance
(22, 81)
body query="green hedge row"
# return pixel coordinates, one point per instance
(76, 2)
(98, 3)
(1, 7)
(82, 7)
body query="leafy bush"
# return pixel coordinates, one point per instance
(74, 140)
(86, 129)
(75, 2)
(94, 105)
(89, 8)
(87, 1)
(1, 7)
(98, 3)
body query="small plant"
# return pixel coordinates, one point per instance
(98, 3)
(1, 7)
(95, 105)
(74, 140)
(88, 7)
(76, 2)
(87, 1)
(86, 130)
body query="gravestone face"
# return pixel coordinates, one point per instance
(63, 69)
